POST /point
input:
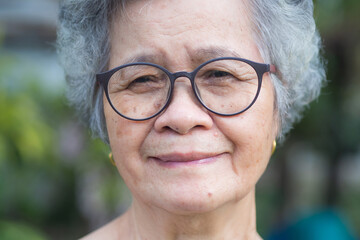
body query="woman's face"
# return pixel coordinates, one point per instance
(187, 159)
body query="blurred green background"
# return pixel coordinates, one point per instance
(56, 182)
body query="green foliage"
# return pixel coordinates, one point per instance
(17, 231)
(41, 167)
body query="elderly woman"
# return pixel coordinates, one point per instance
(191, 96)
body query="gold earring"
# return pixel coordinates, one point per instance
(112, 159)
(273, 147)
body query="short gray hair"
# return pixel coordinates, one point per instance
(284, 30)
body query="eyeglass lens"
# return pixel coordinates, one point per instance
(224, 86)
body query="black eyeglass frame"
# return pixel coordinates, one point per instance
(260, 69)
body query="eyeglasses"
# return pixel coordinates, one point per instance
(225, 86)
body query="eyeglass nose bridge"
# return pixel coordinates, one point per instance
(188, 75)
(177, 75)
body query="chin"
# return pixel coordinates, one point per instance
(198, 200)
(190, 205)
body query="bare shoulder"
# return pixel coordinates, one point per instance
(116, 229)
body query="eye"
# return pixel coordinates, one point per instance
(147, 83)
(143, 82)
(218, 74)
(142, 79)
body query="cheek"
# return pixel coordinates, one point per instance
(126, 138)
(251, 152)
(252, 134)
(124, 135)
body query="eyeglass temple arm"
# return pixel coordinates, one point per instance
(272, 68)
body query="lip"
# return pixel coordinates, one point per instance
(185, 159)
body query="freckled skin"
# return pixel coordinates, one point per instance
(174, 30)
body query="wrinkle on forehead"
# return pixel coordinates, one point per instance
(196, 56)
(154, 21)
(144, 8)
(138, 8)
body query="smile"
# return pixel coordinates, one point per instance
(188, 159)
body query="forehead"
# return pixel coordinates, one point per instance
(176, 7)
(189, 13)
(186, 27)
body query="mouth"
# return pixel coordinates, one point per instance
(186, 159)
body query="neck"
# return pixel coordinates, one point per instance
(235, 220)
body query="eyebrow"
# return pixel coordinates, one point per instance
(208, 53)
(199, 55)
(141, 57)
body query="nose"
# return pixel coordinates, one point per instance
(184, 113)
